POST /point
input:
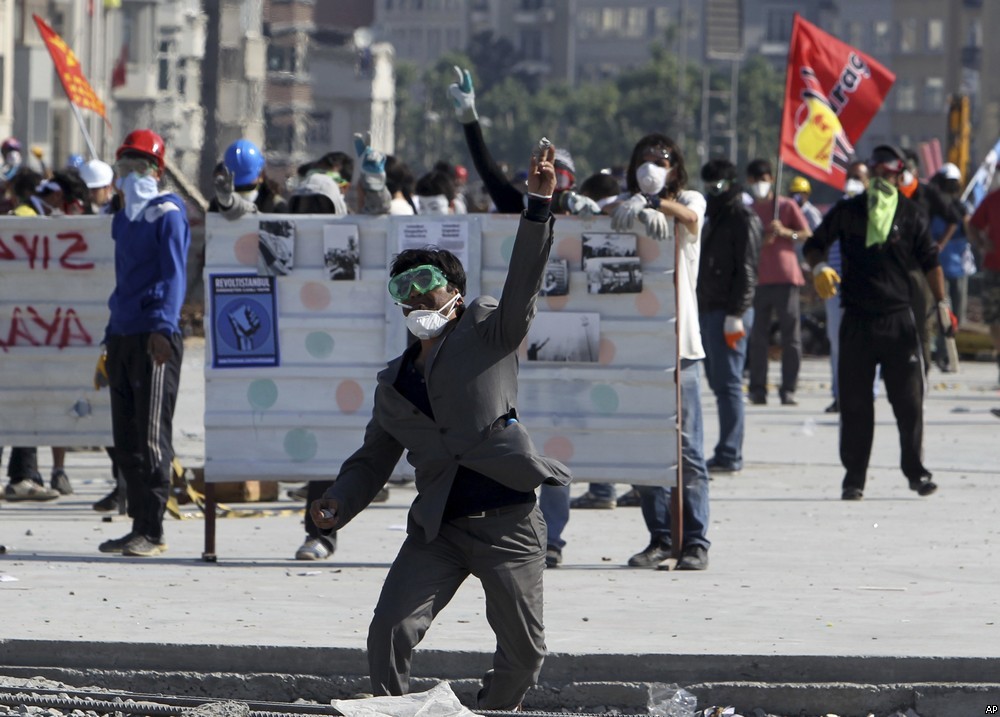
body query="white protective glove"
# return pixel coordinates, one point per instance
(733, 330)
(579, 205)
(463, 96)
(658, 226)
(947, 321)
(623, 217)
(224, 188)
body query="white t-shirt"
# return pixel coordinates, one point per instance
(689, 330)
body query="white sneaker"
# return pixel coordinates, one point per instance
(313, 549)
(29, 490)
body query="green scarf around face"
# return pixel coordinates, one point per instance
(883, 199)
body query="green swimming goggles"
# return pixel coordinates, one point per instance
(423, 278)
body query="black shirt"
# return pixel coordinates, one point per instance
(874, 280)
(471, 491)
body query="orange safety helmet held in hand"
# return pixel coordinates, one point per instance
(145, 142)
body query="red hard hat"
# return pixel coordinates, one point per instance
(145, 142)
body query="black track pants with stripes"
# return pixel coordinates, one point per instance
(143, 396)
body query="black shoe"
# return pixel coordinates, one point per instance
(995, 412)
(757, 399)
(714, 465)
(60, 482)
(108, 503)
(694, 557)
(923, 485)
(553, 556)
(632, 499)
(788, 399)
(833, 407)
(115, 545)
(852, 494)
(654, 554)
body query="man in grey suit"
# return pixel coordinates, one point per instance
(450, 400)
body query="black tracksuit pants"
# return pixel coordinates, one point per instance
(143, 396)
(892, 342)
(23, 464)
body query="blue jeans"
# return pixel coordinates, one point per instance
(724, 367)
(655, 500)
(602, 490)
(553, 500)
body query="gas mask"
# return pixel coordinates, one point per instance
(429, 323)
(652, 178)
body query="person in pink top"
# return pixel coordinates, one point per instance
(984, 232)
(778, 285)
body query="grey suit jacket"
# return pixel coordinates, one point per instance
(471, 378)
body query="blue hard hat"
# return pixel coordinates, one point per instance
(244, 159)
(75, 161)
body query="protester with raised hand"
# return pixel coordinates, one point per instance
(241, 186)
(450, 400)
(374, 198)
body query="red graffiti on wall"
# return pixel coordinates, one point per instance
(28, 327)
(41, 251)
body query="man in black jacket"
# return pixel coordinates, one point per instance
(727, 278)
(881, 234)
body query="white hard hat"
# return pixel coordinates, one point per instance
(97, 174)
(950, 171)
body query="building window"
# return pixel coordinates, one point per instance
(905, 96)
(163, 62)
(279, 138)
(636, 22)
(855, 34)
(882, 36)
(280, 59)
(613, 21)
(908, 35)
(935, 35)
(779, 25)
(532, 4)
(933, 94)
(531, 44)
(182, 77)
(320, 128)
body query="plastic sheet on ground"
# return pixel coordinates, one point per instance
(439, 701)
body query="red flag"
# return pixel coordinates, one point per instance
(78, 90)
(832, 91)
(118, 72)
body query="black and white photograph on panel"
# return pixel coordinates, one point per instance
(608, 246)
(613, 276)
(556, 279)
(564, 336)
(341, 252)
(275, 247)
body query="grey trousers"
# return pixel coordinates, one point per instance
(507, 553)
(783, 300)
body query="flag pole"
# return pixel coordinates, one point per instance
(83, 128)
(784, 114)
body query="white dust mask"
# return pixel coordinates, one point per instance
(652, 178)
(250, 196)
(760, 190)
(854, 187)
(428, 323)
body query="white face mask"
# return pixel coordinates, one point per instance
(250, 196)
(138, 190)
(433, 205)
(760, 190)
(13, 159)
(428, 323)
(652, 178)
(907, 178)
(854, 187)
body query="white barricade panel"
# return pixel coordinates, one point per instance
(56, 276)
(597, 387)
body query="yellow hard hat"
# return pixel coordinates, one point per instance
(800, 185)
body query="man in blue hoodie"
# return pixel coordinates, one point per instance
(143, 338)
